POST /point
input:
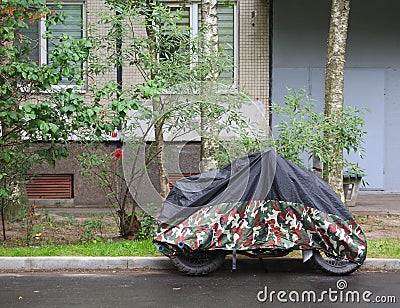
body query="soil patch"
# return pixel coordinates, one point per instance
(380, 227)
(46, 228)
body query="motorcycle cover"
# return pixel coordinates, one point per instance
(259, 201)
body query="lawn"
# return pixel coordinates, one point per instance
(378, 248)
(384, 248)
(97, 235)
(94, 248)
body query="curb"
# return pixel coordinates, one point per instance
(82, 263)
(381, 265)
(155, 263)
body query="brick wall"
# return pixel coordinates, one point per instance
(130, 75)
(253, 75)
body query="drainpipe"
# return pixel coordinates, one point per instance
(118, 48)
(270, 20)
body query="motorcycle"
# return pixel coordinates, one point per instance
(260, 205)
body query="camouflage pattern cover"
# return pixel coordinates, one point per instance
(249, 225)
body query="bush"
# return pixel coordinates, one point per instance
(303, 130)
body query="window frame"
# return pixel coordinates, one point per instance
(194, 25)
(43, 43)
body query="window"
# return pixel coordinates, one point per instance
(171, 44)
(226, 34)
(227, 30)
(41, 48)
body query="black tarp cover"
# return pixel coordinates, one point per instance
(261, 176)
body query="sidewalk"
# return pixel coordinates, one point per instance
(376, 204)
(367, 204)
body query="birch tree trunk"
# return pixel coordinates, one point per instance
(334, 88)
(209, 21)
(209, 140)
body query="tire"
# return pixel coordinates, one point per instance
(198, 263)
(333, 266)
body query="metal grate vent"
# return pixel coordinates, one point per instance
(50, 186)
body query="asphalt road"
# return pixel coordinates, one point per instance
(251, 287)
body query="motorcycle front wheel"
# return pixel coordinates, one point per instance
(334, 266)
(198, 263)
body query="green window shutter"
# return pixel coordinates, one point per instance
(174, 38)
(184, 18)
(226, 35)
(73, 26)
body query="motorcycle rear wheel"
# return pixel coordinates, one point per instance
(198, 263)
(334, 266)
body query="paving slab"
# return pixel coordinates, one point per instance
(368, 203)
(377, 204)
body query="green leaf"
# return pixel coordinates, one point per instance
(53, 128)
(44, 127)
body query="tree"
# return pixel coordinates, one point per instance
(209, 48)
(34, 108)
(105, 170)
(175, 83)
(152, 44)
(166, 54)
(162, 55)
(334, 89)
(303, 130)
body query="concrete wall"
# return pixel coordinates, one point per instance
(301, 31)
(372, 76)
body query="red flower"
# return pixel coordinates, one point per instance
(118, 154)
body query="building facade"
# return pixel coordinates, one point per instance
(278, 44)
(372, 72)
(243, 31)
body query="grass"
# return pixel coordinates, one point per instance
(384, 248)
(380, 248)
(93, 249)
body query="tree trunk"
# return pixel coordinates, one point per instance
(209, 139)
(334, 87)
(159, 150)
(3, 221)
(8, 181)
(158, 108)
(209, 24)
